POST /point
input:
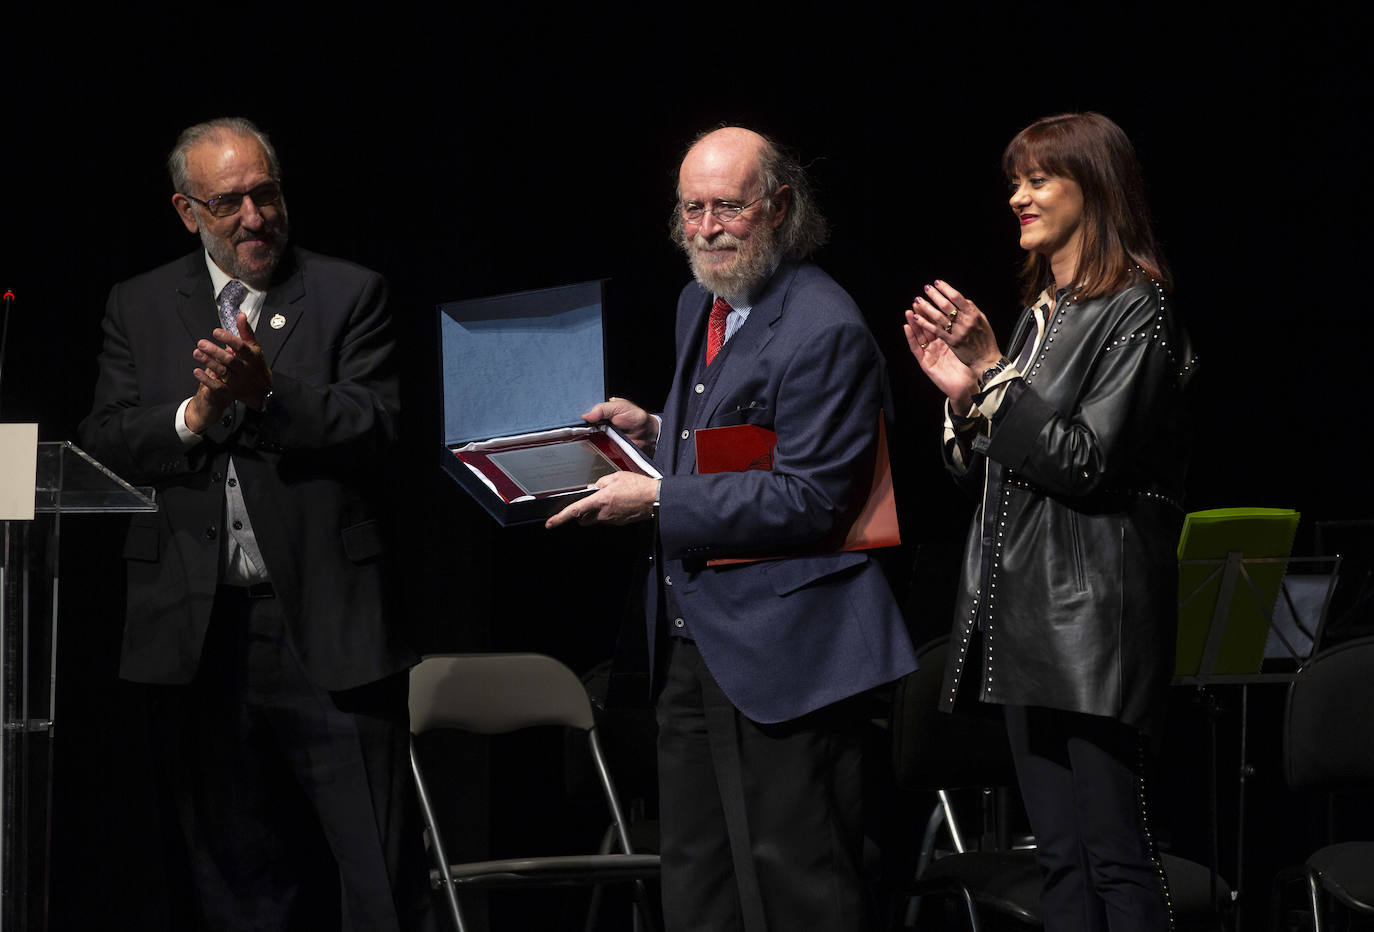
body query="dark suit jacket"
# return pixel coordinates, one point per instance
(782, 637)
(308, 464)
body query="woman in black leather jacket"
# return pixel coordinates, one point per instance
(1074, 441)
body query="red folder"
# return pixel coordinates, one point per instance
(747, 446)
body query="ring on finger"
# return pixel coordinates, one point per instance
(954, 313)
(949, 325)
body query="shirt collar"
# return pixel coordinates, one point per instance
(745, 302)
(251, 301)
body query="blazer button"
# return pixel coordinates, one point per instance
(238, 525)
(685, 434)
(227, 420)
(667, 580)
(700, 388)
(679, 623)
(211, 533)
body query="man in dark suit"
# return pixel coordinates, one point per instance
(761, 667)
(255, 386)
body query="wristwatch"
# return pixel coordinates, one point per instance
(991, 371)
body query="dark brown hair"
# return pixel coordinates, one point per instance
(1117, 235)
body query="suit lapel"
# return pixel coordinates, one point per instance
(689, 342)
(750, 340)
(282, 310)
(196, 305)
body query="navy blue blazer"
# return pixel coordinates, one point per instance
(782, 637)
(308, 464)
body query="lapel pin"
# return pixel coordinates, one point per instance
(278, 321)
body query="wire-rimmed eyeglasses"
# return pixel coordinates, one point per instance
(724, 211)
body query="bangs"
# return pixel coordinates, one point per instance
(1045, 144)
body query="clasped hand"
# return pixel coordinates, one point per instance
(234, 369)
(952, 342)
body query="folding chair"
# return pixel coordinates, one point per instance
(499, 693)
(1328, 743)
(936, 751)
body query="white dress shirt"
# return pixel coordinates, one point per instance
(241, 562)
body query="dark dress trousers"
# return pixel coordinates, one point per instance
(283, 718)
(760, 663)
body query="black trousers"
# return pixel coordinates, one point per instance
(294, 801)
(1083, 780)
(761, 825)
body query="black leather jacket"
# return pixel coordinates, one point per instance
(1069, 591)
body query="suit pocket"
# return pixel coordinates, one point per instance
(751, 412)
(141, 543)
(363, 541)
(790, 575)
(1079, 577)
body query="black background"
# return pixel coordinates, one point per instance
(466, 151)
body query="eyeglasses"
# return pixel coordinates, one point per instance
(228, 204)
(723, 211)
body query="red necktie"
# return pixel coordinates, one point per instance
(715, 328)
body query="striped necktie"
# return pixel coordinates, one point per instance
(715, 328)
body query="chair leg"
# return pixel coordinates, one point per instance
(953, 823)
(646, 912)
(593, 910)
(913, 903)
(440, 855)
(1314, 888)
(642, 913)
(618, 821)
(972, 913)
(594, 907)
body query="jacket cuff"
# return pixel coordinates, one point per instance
(1022, 414)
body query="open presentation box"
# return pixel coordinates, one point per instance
(518, 371)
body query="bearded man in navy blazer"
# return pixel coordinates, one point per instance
(256, 387)
(761, 667)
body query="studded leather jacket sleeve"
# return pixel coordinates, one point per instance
(1068, 597)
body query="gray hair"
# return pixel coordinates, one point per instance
(803, 228)
(210, 129)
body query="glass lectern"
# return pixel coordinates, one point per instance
(68, 482)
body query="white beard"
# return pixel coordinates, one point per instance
(753, 262)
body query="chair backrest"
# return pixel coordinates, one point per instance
(495, 693)
(1328, 733)
(934, 750)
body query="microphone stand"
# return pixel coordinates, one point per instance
(8, 298)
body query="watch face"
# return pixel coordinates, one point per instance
(991, 371)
